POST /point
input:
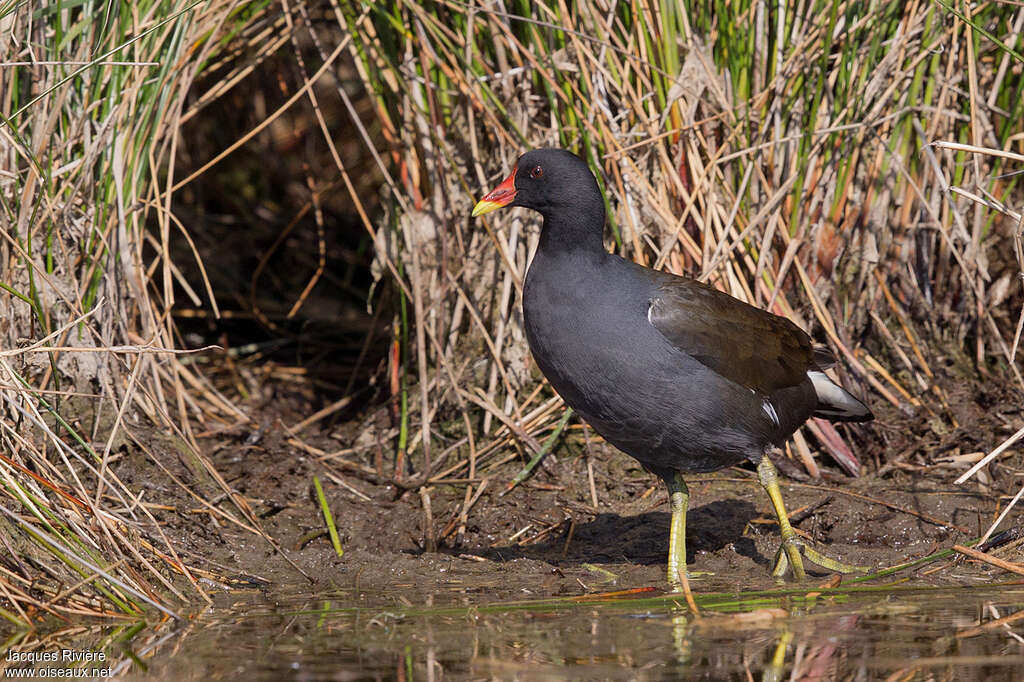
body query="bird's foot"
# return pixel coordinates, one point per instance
(675, 578)
(789, 553)
(605, 575)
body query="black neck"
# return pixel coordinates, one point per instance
(577, 231)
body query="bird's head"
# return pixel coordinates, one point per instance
(545, 180)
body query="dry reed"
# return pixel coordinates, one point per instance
(786, 153)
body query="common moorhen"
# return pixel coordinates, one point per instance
(673, 372)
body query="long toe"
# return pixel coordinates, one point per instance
(783, 559)
(832, 564)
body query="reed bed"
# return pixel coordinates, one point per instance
(92, 94)
(849, 165)
(824, 160)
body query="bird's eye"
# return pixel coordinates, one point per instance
(536, 172)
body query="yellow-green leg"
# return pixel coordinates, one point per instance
(790, 548)
(789, 552)
(679, 496)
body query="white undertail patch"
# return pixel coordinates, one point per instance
(833, 399)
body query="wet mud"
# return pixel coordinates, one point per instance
(546, 537)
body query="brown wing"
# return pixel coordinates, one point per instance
(742, 343)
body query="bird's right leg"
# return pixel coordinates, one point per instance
(679, 496)
(789, 552)
(790, 545)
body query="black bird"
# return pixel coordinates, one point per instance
(678, 375)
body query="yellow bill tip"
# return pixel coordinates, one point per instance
(484, 206)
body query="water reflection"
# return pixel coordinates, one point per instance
(955, 634)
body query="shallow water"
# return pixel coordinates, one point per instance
(860, 633)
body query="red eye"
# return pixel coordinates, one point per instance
(536, 172)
